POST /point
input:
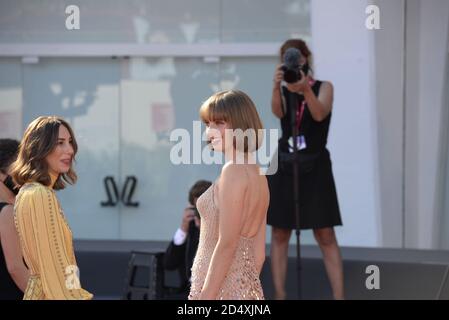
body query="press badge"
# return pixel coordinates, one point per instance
(300, 143)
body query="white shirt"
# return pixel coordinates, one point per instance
(180, 237)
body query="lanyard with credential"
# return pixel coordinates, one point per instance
(301, 108)
(299, 115)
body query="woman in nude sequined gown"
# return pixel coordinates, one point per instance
(231, 248)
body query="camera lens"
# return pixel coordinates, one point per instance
(291, 75)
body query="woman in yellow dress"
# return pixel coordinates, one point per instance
(44, 164)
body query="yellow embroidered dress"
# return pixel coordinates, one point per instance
(47, 246)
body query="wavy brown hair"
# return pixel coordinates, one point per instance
(39, 140)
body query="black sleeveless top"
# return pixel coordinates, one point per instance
(8, 289)
(315, 132)
(317, 192)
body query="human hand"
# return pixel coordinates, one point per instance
(278, 75)
(299, 86)
(188, 215)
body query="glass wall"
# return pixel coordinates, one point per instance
(154, 21)
(10, 98)
(123, 109)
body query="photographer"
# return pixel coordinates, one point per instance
(318, 204)
(182, 249)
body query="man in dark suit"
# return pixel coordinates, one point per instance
(182, 249)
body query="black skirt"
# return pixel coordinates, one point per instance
(318, 203)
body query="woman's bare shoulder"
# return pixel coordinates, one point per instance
(327, 86)
(6, 214)
(232, 171)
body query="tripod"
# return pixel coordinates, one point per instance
(293, 104)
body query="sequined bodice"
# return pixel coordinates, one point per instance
(242, 281)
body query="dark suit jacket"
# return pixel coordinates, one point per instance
(181, 257)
